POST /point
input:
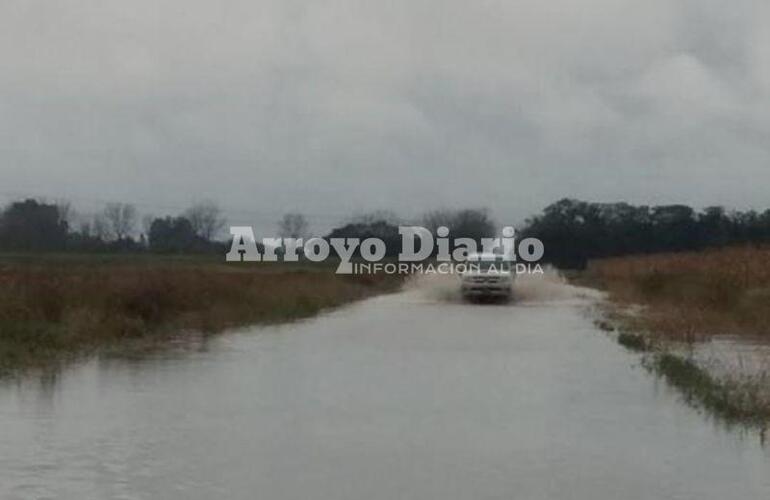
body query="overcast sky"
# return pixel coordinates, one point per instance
(338, 107)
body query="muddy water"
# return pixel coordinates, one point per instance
(409, 396)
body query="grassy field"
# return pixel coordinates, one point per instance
(688, 298)
(691, 296)
(57, 307)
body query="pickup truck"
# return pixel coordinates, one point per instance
(486, 276)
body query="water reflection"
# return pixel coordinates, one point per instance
(398, 397)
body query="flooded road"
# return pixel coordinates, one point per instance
(400, 397)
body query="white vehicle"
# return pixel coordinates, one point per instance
(487, 276)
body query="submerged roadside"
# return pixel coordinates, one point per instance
(56, 309)
(701, 321)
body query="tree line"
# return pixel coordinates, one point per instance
(572, 231)
(575, 231)
(37, 226)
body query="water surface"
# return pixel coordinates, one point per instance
(398, 397)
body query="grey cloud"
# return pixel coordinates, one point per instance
(341, 106)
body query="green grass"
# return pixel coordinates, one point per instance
(633, 341)
(733, 402)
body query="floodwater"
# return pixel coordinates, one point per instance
(407, 396)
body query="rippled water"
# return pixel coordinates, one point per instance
(402, 396)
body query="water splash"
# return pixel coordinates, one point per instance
(550, 286)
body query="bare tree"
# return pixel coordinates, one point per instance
(84, 228)
(436, 218)
(83, 224)
(120, 219)
(206, 219)
(99, 228)
(66, 212)
(293, 226)
(147, 223)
